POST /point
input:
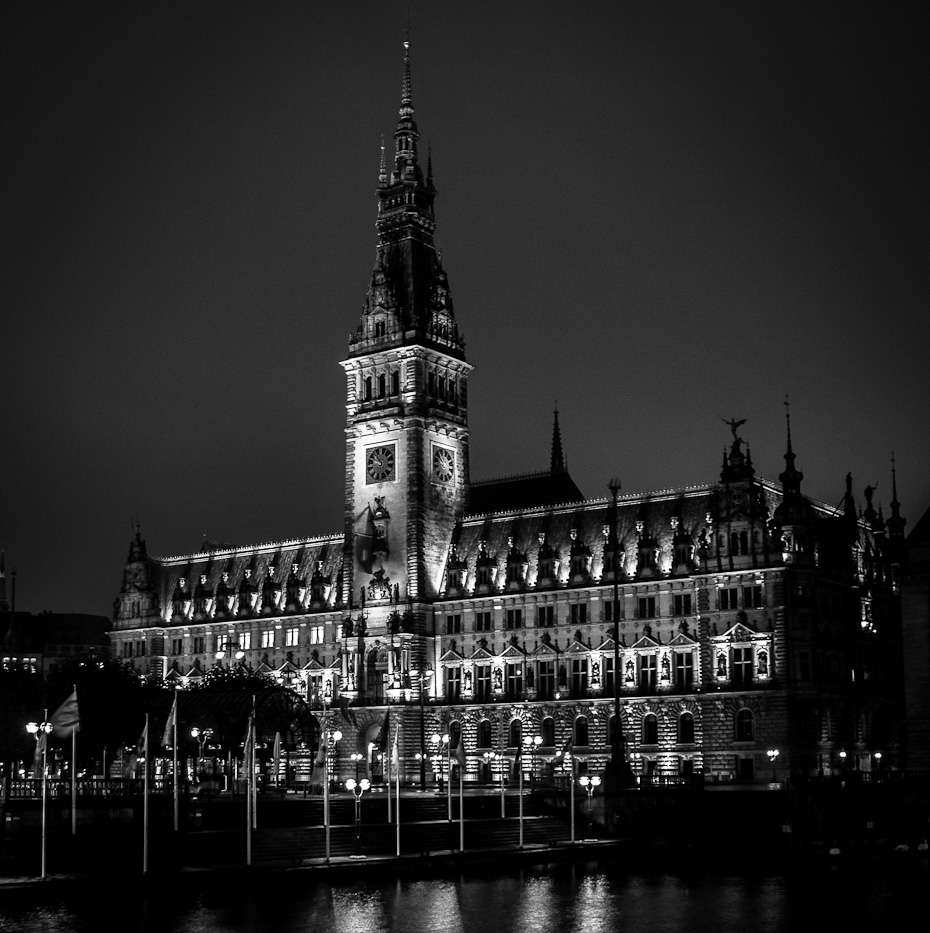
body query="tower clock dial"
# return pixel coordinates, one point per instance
(379, 464)
(443, 465)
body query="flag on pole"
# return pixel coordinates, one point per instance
(41, 744)
(460, 752)
(395, 755)
(66, 720)
(382, 740)
(170, 736)
(276, 755)
(347, 714)
(142, 744)
(321, 751)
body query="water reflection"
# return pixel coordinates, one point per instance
(560, 898)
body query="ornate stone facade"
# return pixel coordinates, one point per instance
(749, 617)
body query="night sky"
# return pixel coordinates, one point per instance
(657, 214)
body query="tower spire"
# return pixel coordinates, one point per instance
(557, 462)
(896, 523)
(791, 478)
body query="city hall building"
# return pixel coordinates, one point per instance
(724, 621)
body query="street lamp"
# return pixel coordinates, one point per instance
(41, 731)
(357, 788)
(356, 757)
(589, 783)
(425, 674)
(532, 743)
(232, 649)
(200, 736)
(773, 754)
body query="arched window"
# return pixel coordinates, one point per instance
(368, 388)
(744, 542)
(395, 382)
(734, 542)
(744, 726)
(382, 385)
(611, 726)
(581, 731)
(686, 729)
(515, 738)
(548, 732)
(650, 734)
(484, 734)
(455, 734)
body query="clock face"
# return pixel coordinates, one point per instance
(443, 465)
(379, 464)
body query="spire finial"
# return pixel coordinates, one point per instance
(382, 170)
(788, 420)
(406, 101)
(557, 463)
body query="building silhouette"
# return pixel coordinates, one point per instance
(723, 621)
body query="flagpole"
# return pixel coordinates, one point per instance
(44, 786)
(572, 802)
(145, 801)
(397, 808)
(254, 783)
(389, 775)
(74, 783)
(174, 755)
(247, 757)
(461, 799)
(326, 784)
(520, 773)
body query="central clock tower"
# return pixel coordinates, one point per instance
(406, 402)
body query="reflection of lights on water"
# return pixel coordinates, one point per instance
(359, 911)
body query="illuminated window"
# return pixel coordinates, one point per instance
(316, 634)
(245, 641)
(292, 637)
(650, 733)
(545, 680)
(268, 638)
(453, 683)
(743, 726)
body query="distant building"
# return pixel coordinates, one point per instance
(750, 617)
(40, 642)
(915, 623)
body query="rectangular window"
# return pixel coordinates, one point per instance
(647, 673)
(514, 618)
(292, 637)
(545, 680)
(579, 613)
(684, 671)
(127, 649)
(245, 641)
(453, 683)
(609, 673)
(177, 646)
(316, 634)
(453, 624)
(753, 597)
(742, 666)
(200, 644)
(729, 598)
(483, 682)
(647, 607)
(140, 649)
(608, 610)
(268, 638)
(482, 621)
(483, 577)
(579, 676)
(514, 673)
(682, 604)
(545, 616)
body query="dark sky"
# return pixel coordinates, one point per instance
(659, 214)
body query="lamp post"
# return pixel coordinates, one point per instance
(232, 650)
(617, 756)
(41, 731)
(532, 743)
(200, 736)
(357, 788)
(773, 754)
(356, 757)
(425, 674)
(589, 783)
